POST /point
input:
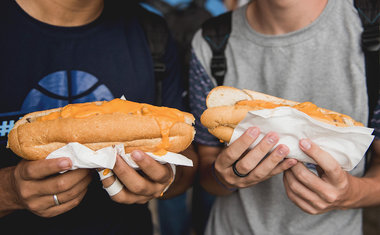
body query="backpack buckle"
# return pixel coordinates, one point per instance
(371, 37)
(218, 65)
(159, 67)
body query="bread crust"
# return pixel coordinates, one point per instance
(34, 140)
(222, 115)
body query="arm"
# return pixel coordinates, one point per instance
(31, 185)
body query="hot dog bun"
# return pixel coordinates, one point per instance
(101, 124)
(227, 106)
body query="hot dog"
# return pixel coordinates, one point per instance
(101, 124)
(227, 106)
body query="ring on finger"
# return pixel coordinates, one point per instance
(56, 201)
(236, 172)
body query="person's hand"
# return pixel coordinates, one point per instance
(41, 189)
(314, 194)
(250, 164)
(143, 185)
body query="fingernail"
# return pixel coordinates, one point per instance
(272, 138)
(64, 164)
(253, 132)
(282, 150)
(305, 144)
(137, 156)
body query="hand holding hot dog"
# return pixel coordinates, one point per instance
(147, 184)
(334, 188)
(254, 166)
(36, 182)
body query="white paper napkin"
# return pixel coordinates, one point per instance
(346, 144)
(83, 157)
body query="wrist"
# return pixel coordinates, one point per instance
(356, 194)
(9, 198)
(220, 183)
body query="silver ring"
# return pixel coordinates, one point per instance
(56, 201)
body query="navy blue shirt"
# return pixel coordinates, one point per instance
(44, 66)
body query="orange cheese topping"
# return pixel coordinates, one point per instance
(308, 108)
(165, 117)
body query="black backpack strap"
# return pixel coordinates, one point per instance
(216, 32)
(369, 12)
(159, 5)
(157, 34)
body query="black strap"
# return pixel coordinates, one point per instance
(370, 14)
(216, 32)
(157, 34)
(160, 5)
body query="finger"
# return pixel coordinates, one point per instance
(310, 180)
(156, 171)
(127, 197)
(59, 183)
(253, 158)
(70, 194)
(283, 166)
(39, 169)
(132, 179)
(57, 210)
(238, 147)
(296, 199)
(329, 165)
(303, 192)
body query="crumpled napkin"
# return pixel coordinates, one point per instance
(83, 157)
(346, 144)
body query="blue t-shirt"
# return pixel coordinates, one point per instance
(44, 66)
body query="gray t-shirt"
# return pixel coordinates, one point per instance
(322, 63)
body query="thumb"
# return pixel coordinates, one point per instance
(39, 169)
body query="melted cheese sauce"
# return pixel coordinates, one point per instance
(165, 117)
(308, 108)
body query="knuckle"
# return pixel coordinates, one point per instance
(243, 167)
(27, 171)
(259, 175)
(331, 197)
(276, 158)
(70, 194)
(313, 212)
(24, 194)
(76, 201)
(303, 175)
(139, 188)
(34, 207)
(120, 199)
(229, 180)
(157, 194)
(320, 205)
(143, 201)
(292, 186)
(61, 185)
(44, 214)
(229, 153)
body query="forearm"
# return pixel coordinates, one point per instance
(185, 175)
(8, 199)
